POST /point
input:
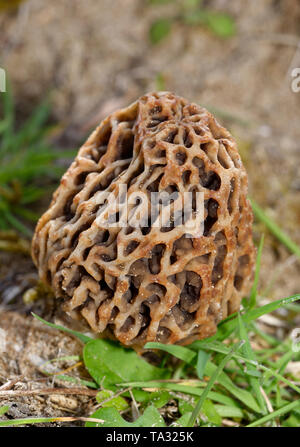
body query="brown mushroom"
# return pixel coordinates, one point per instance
(148, 282)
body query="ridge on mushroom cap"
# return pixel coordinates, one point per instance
(150, 283)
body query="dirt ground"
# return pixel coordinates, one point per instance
(95, 56)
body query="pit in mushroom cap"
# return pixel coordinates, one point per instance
(150, 283)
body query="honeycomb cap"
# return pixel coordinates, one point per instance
(150, 282)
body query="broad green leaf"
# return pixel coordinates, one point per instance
(185, 406)
(159, 30)
(222, 25)
(111, 417)
(139, 395)
(4, 409)
(226, 411)
(118, 402)
(109, 364)
(182, 421)
(209, 410)
(248, 353)
(159, 398)
(202, 359)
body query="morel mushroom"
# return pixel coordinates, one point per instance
(148, 282)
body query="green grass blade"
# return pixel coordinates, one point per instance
(228, 326)
(17, 224)
(275, 229)
(82, 337)
(282, 364)
(3, 125)
(219, 347)
(253, 314)
(34, 127)
(280, 412)
(26, 213)
(210, 384)
(43, 420)
(73, 379)
(272, 341)
(15, 422)
(253, 294)
(225, 381)
(182, 353)
(192, 390)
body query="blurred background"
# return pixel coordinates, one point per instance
(90, 58)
